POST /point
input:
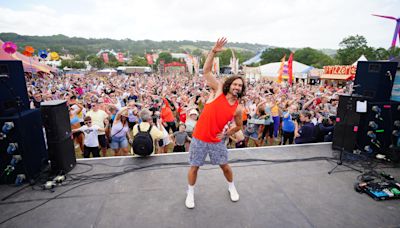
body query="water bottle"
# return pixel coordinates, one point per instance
(7, 127)
(12, 147)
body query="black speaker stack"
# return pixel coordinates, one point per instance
(374, 131)
(55, 115)
(22, 146)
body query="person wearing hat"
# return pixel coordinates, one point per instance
(191, 121)
(120, 133)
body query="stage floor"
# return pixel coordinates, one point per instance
(296, 194)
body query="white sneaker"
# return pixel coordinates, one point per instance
(189, 200)
(234, 194)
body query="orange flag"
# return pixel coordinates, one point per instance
(281, 69)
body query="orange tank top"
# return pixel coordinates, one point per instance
(213, 119)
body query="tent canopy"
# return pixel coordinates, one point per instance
(362, 58)
(30, 64)
(272, 69)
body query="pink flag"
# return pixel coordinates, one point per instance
(105, 57)
(120, 57)
(290, 68)
(149, 58)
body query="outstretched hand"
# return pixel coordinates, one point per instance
(219, 45)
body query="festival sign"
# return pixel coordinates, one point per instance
(339, 72)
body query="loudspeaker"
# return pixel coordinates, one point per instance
(22, 146)
(374, 79)
(61, 149)
(13, 92)
(347, 123)
(55, 115)
(62, 155)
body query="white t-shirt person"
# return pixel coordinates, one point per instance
(91, 134)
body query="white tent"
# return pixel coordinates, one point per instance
(272, 69)
(362, 58)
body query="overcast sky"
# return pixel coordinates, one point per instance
(284, 23)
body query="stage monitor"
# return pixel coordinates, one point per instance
(374, 79)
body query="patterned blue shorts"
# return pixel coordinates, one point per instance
(198, 152)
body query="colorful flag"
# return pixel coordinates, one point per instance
(105, 57)
(120, 57)
(281, 69)
(290, 68)
(149, 58)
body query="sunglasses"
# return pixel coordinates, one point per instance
(88, 121)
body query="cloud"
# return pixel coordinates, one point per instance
(286, 23)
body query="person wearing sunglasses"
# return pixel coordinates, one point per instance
(91, 141)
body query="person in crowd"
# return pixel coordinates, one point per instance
(91, 141)
(99, 118)
(147, 121)
(288, 126)
(119, 134)
(180, 138)
(304, 131)
(191, 122)
(37, 99)
(75, 112)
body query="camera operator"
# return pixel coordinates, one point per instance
(304, 131)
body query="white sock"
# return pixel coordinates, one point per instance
(191, 189)
(231, 185)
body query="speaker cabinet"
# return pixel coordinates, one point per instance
(13, 92)
(61, 149)
(374, 79)
(55, 115)
(27, 137)
(347, 123)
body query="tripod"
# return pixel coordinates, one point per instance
(340, 162)
(347, 105)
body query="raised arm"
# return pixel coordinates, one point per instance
(211, 80)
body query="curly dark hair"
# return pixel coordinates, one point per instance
(228, 82)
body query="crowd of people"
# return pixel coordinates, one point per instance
(107, 108)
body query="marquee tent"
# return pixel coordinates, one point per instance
(271, 69)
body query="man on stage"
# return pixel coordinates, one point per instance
(208, 136)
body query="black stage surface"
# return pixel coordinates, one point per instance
(296, 194)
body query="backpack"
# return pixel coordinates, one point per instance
(143, 143)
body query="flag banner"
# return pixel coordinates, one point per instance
(149, 58)
(105, 57)
(281, 69)
(290, 68)
(120, 57)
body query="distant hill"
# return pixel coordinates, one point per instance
(84, 47)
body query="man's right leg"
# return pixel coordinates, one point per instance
(192, 177)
